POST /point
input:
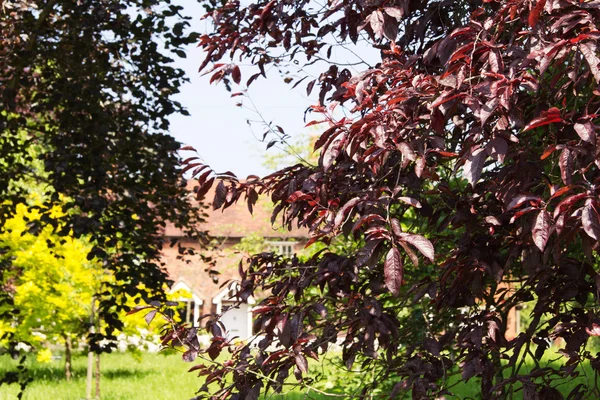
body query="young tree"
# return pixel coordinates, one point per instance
(467, 168)
(53, 284)
(91, 83)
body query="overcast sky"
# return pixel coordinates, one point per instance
(217, 128)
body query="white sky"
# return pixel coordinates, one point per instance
(217, 128)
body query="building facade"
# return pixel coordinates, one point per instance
(235, 232)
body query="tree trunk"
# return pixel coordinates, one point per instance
(90, 364)
(97, 324)
(68, 353)
(97, 376)
(499, 394)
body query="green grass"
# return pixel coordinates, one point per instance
(165, 377)
(157, 376)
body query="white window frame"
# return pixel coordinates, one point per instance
(227, 295)
(281, 247)
(180, 285)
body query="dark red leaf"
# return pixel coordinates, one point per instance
(254, 393)
(315, 122)
(586, 131)
(197, 367)
(591, 56)
(283, 330)
(550, 116)
(214, 351)
(301, 362)
(189, 159)
(495, 61)
(390, 28)
(296, 327)
(204, 188)
(421, 243)
(190, 355)
(407, 151)
(549, 150)
(470, 369)
(432, 346)
(298, 195)
(217, 76)
(410, 201)
(236, 75)
(252, 79)
(474, 165)
(565, 162)
(138, 309)
(542, 229)
(594, 330)
(446, 98)
(364, 255)
(420, 166)
(519, 200)
(497, 149)
(309, 87)
(325, 136)
(220, 195)
(484, 111)
(535, 12)
(590, 220)
(393, 271)
(150, 316)
(445, 153)
(522, 212)
(394, 12)
(331, 152)
(252, 198)
(367, 219)
(561, 191)
(567, 203)
(396, 227)
(261, 309)
(345, 211)
(411, 254)
(376, 20)
(202, 178)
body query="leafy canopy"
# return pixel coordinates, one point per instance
(467, 166)
(90, 84)
(52, 280)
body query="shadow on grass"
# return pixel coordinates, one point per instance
(54, 374)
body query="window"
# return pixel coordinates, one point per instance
(285, 249)
(188, 309)
(185, 310)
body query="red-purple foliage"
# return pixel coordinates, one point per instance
(472, 146)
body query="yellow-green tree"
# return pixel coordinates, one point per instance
(53, 284)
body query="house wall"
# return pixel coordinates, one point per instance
(192, 269)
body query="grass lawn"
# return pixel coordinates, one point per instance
(165, 377)
(157, 376)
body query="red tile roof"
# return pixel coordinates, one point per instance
(237, 222)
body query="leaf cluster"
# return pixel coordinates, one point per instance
(467, 166)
